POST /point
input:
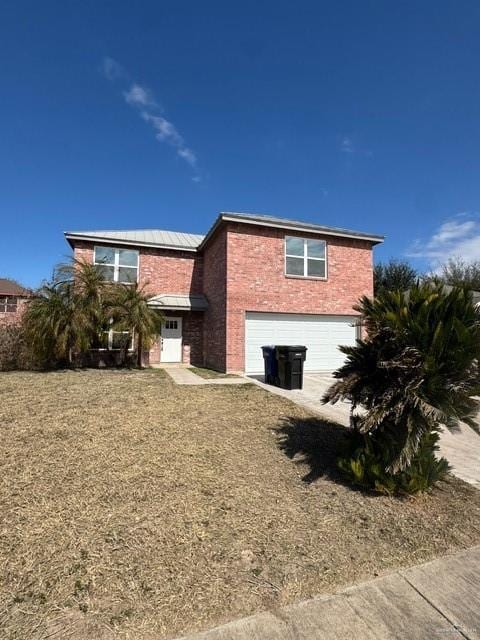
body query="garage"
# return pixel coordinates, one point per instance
(321, 334)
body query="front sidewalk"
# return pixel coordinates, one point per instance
(436, 600)
(182, 375)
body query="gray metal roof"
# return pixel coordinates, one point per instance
(193, 302)
(273, 221)
(193, 242)
(143, 237)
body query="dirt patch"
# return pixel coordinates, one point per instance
(135, 508)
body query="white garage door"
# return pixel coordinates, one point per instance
(320, 334)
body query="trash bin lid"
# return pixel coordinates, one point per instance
(289, 347)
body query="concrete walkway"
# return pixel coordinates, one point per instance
(184, 376)
(461, 449)
(437, 600)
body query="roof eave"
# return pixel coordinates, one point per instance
(71, 237)
(232, 217)
(162, 307)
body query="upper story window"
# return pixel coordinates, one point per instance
(8, 304)
(305, 258)
(117, 265)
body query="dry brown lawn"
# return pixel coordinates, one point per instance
(133, 508)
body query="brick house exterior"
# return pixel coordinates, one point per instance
(13, 302)
(216, 287)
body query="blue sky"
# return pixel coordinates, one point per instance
(161, 114)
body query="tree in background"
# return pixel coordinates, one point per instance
(416, 373)
(458, 273)
(395, 275)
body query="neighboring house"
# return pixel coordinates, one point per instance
(475, 295)
(13, 300)
(251, 280)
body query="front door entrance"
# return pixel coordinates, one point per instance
(171, 350)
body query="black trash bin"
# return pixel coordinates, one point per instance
(290, 366)
(271, 364)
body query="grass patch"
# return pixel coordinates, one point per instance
(211, 373)
(135, 508)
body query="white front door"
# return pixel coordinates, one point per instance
(171, 344)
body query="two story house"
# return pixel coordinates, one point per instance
(251, 280)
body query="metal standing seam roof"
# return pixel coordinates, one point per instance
(193, 302)
(193, 242)
(145, 237)
(288, 224)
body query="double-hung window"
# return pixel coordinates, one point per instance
(8, 304)
(305, 258)
(117, 340)
(113, 340)
(117, 265)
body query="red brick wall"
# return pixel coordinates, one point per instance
(14, 317)
(256, 280)
(162, 270)
(171, 271)
(214, 288)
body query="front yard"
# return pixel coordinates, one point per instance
(133, 508)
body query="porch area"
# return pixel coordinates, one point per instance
(181, 337)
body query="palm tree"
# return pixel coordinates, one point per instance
(54, 327)
(417, 371)
(84, 279)
(64, 317)
(128, 308)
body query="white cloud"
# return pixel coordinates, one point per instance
(454, 238)
(139, 96)
(453, 230)
(167, 132)
(350, 146)
(142, 99)
(347, 145)
(111, 69)
(188, 155)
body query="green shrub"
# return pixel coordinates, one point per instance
(416, 373)
(366, 457)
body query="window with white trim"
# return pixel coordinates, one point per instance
(111, 340)
(8, 304)
(117, 265)
(305, 258)
(118, 340)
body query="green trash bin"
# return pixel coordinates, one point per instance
(290, 360)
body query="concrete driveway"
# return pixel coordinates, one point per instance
(461, 449)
